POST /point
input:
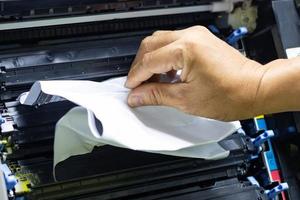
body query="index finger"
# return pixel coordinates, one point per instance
(160, 61)
(157, 40)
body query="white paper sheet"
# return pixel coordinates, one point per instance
(157, 129)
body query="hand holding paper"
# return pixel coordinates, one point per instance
(157, 129)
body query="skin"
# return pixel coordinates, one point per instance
(216, 80)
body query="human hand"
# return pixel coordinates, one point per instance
(216, 80)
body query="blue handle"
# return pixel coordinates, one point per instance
(277, 190)
(262, 138)
(236, 35)
(1, 120)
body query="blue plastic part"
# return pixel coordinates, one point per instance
(262, 138)
(261, 123)
(236, 35)
(271, 158)
(214, 29)
(10, 180)
(277, 190)
(1, 120)
(269, 155)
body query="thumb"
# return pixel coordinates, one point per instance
(155, 94)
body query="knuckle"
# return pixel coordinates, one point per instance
(162, 32)
(200, 28)
(182, 99)
(145, 43)
(146, 58)
(189, 44)
(155, 95)
(157, 33)
(179, 54)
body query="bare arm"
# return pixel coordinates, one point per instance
(280, 87)
(216, 80)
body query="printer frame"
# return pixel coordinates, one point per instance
(97, 40)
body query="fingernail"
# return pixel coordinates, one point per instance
(126, 84)
(135, 100)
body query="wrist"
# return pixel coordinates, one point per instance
(254, 88)
(280, 87)
(245, 88)
(261, 96)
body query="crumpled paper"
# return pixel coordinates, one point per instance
(103, 117)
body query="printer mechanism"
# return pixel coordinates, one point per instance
(97, 40)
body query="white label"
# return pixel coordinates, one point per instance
(293, 52)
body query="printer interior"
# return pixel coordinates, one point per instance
(97, 40)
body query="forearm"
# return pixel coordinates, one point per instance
(279, 89)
